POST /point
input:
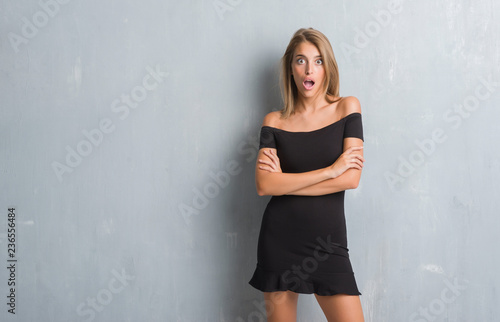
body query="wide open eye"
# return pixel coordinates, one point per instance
(319, 61)
(300, 60)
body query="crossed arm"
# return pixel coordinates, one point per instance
(343, 174)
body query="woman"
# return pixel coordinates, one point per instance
(310, 153)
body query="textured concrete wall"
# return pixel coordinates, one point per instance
(128, 144)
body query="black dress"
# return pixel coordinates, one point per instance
(302, 243)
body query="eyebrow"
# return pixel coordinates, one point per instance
(300, 55)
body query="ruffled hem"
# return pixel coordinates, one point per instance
(304, 283)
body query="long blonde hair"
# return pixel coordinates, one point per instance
(330, 86)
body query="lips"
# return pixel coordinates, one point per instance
(308, 83)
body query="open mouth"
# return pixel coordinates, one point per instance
(308, 84)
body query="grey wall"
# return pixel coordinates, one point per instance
(128, 141)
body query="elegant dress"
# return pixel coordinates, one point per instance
(302, 244)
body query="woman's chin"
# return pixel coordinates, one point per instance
(309, 93)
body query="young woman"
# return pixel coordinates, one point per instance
(310, 153)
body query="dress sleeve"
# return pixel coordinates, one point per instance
(353, 126)
(267, 138)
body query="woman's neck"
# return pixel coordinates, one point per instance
(310, 105)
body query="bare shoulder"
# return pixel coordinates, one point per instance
(349, 105)
(271, 119)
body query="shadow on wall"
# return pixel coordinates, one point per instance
(245, 208)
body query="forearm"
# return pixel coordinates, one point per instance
(348, 180)
(278, 183)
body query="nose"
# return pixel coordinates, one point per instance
(309, 69)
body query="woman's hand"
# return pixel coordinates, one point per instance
(347, 160)
(273, 165)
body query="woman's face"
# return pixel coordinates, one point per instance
(308, 70)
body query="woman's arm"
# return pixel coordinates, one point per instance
(344, 182)
(279, 183)
(347, 180)
(271, 181)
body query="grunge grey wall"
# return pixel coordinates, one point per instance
(129, 134)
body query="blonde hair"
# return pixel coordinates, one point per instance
(330, 86)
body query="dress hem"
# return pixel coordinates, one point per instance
(324, 285)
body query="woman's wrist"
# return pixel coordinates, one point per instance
(328, 173)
